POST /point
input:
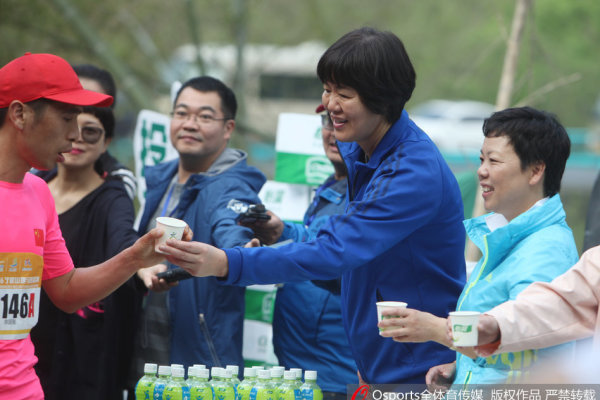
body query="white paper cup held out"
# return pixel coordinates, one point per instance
(173, 229)
(464, 327)
(385, 305)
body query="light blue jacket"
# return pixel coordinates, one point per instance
(537, 245)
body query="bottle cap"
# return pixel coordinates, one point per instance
(310, 375)
(258, 367)
(193, 371)
(201, 366)
(276, 373)
(264, 374)
(215, 372)
(176, 366)
(164, 370)
(249, 372)
(298, 372)
(202, 373)
(150, 368)
(278, 367)
(177, 372)
(233, 368)
(226, 373)
(289, 375)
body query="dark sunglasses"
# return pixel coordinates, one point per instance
(91, 134)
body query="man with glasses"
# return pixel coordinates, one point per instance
(40, 99)
(198, 320)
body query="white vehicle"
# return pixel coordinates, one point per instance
(453, 125)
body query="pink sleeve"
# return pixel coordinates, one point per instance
(547, 314)
(57, 260)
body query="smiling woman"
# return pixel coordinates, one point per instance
(524, 239)
(400, 236)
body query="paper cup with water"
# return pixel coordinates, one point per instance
(173, 229)
(464, 328)
(386, 305)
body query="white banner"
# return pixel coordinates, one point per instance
(151, 145)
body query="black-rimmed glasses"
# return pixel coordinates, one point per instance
(202, 117)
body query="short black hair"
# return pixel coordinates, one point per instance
(3, 112)
(102, 76)
(537, 136)
(376, 65)
(210, 84)
(106, 117)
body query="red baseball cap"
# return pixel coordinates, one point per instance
(36, 76)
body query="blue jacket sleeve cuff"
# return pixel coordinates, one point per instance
(234, 259)
(296, 232)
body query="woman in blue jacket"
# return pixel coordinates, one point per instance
(400, 236)
(525, 239)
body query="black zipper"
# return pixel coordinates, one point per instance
(209, 341)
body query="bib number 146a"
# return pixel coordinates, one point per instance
(17, 305)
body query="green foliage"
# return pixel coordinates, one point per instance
(457, 46)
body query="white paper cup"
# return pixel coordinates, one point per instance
(173, 229)
(385, 305)
(464, 327)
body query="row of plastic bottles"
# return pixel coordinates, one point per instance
(258, 384)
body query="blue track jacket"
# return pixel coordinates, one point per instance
(401, 236)
(537, 245)
(203, 205)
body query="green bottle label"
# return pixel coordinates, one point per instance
(201, 392)
(174, 391)
(243, 391)
(144, 389)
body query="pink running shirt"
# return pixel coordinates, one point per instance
(31, 250)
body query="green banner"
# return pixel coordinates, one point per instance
(302, 168)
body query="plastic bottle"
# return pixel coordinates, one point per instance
(176, 388)
(215, 377)
(298, 372)
(192, 376)
(277, 376)
(245, 386)
(200, 388)
(289, 390)
(234, 376)
(144, 388)
(224, 388)
(310, 390)
(164, 375)
(263, 390)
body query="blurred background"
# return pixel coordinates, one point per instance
(267, 51)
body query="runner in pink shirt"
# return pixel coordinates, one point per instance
(40, 97)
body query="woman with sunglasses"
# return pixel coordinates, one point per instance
(84, 354)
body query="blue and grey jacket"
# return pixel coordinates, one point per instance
(537, 245)
(207, 318)
(401, 236)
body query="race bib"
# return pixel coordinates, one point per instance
(20, 283)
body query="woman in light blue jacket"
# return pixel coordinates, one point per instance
(524, 239)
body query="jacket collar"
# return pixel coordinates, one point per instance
(397, 133)
(503, 238)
